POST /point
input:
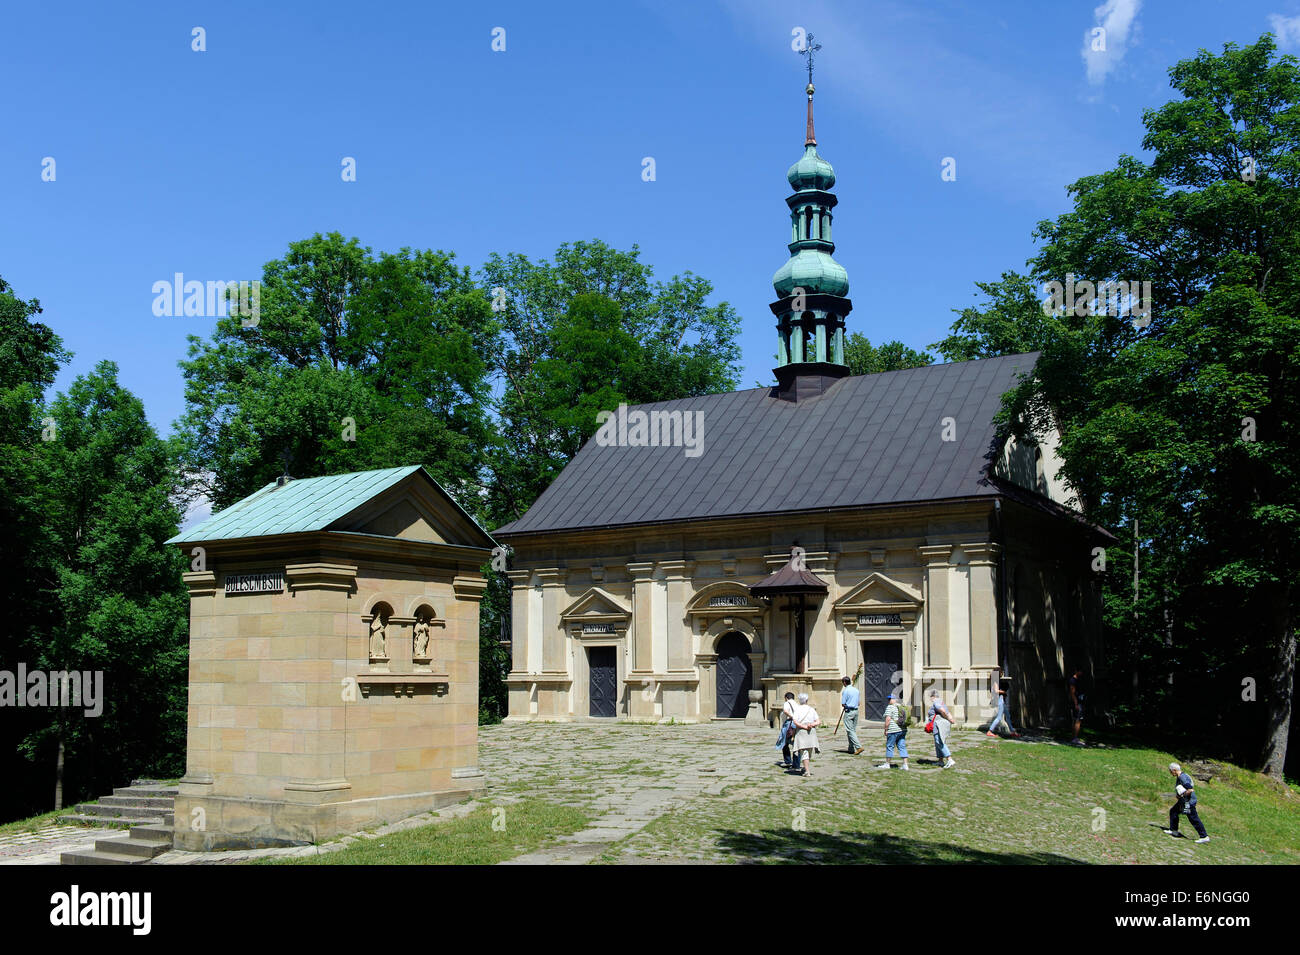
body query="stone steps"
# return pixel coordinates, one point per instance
(95, 857)
(144, 808)
(126, 813)
(136, 801)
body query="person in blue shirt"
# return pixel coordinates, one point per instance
(783, 741)
(849, 700)
(1185, 790)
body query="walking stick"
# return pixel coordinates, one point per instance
(857, 673)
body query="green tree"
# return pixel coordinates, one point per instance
(355, 361)
(864, 358)
(117, 604)
(30, 356)
(1181, 421)
(637, 340)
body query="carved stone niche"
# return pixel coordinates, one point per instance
(426, 619)
(377, 625)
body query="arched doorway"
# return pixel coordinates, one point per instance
(735, 676)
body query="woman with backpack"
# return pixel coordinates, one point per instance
(940, 721)
(895, 731)
(806, 722)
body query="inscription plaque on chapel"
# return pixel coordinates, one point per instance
(730, 600)
(262, 582)
(880, 619)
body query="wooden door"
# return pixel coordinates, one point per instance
(881, 660)
(735, 676)
(603, 685)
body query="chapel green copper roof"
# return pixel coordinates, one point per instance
(298, 506)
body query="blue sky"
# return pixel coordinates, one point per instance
(210, 163)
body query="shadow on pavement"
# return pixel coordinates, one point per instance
(862, 848)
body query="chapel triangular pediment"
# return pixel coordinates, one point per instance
(878, 592)
(596, 604)
(404, 519)
(415, 509)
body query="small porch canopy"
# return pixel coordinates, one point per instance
(790, 581)
(797, 582)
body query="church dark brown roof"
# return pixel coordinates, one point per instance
(789, 580)
(867, 440)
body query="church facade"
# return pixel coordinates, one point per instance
(877, 527)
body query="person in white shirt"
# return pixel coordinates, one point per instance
(806, 722)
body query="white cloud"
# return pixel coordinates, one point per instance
(198, 511)
(1286, 29)
(1102, 51)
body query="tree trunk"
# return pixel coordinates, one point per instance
(1279, 705)
(59, 772)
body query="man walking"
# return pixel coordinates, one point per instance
(849, 701)
(1185, 790)
(1076, 705)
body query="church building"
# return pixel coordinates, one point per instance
(699, 558)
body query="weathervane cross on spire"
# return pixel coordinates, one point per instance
(809, 49)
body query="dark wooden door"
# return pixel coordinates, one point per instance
(603, 691)
(881, 660)
(735, 677)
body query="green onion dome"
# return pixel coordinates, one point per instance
(814, 271)
(811, 171)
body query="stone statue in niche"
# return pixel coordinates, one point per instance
(420, 649)
(378, 640)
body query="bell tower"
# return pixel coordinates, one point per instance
(812, 287)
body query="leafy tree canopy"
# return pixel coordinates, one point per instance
(1182, 418)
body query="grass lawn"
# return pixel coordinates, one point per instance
(1005, 802)
(35, 822)
(468, 840)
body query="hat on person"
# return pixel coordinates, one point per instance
(893, 694)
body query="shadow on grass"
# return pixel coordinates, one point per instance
(864, 848)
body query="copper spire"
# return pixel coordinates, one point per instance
(810, 48)
(812, 137)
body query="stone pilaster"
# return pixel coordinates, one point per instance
(824, 643)
(642, 627)
(677, 575)
(519, 635)
(642, 656)
(983, 622)
(936, 559)
(555, 656)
